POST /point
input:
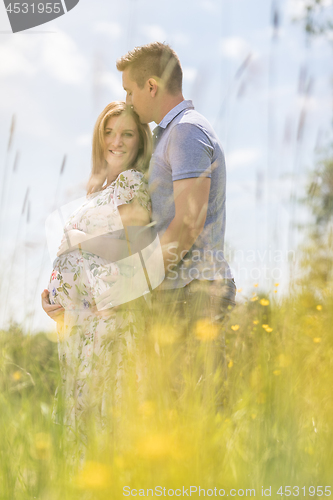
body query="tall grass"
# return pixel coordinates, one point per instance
(273, 428)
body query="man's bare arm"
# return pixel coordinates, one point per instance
(105, 245)
(191, 201)
(133, 214)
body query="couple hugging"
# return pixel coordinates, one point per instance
(176, 178)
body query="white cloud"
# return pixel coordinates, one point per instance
(111, 81)
(234, 47)
(14, 63)
(282, 94)
(32, 120)
(84, 140)
(189, 74)
(208, 5)
(297, 8)
(242, 157)
(58, 56)
(15, 56)
(63, 60)
(154, 32)
(180, 39)
(113, 30)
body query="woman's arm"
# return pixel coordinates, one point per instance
(106, 245)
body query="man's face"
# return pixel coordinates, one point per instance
(140, 99)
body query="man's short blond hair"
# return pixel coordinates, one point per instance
(155, 59)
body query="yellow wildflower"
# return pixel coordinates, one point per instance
(230, 364)
(256, 321)
(254, 298)
(116, 412)
(277, 372)
(93, 476)
(265, 326)
(253, 415)
(218, 418)
(172, 414)
(317, 340)
(264, 302)
(42, 445)
(164, 334)
(205, 330)
(276, 284)
(256, 378)
(261, 399)
(147, 408)
(17, 375)
(283, 360)
(157, 447)
(235, 328)
(119, 462)
(319, 307)
(269, 329)
(239, 290)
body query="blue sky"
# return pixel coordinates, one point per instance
(56, 78)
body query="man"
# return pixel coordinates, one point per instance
(187, 181)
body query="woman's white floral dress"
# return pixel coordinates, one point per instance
(95, 351)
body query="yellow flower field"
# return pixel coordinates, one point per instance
(270, 429)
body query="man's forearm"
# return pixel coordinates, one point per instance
(177, 240)
(106, 247)
(191, 202)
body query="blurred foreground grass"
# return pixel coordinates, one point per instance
(274, 428)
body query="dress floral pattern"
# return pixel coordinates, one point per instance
(95, 351)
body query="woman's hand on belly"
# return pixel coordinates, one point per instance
(56, 311)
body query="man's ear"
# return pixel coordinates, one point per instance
(152, 86)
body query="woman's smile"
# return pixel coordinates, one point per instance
(121, 144)
(117, 153)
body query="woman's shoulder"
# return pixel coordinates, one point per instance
(130, 176)
(130, 180)
(129, 184)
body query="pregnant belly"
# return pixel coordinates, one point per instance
(72, 282)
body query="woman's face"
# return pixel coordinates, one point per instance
(121, 142)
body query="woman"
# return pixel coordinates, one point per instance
(93, 348)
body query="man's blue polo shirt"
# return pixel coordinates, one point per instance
(188, 147)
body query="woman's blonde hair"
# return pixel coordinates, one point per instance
(141, 163)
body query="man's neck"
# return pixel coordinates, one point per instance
(167, 104)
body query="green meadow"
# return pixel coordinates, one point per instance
(273, 428)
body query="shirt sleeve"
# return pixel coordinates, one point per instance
(190, 152)
(131, 184)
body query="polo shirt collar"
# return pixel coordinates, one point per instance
(186, 104)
